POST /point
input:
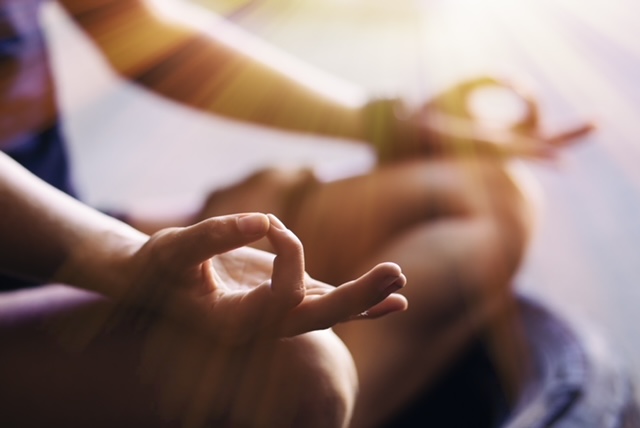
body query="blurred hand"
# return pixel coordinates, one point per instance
(447, 125)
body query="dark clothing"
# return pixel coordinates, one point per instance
(29, 131)
(28, 115)
(44, 155)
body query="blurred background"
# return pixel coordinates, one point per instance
(581, 57)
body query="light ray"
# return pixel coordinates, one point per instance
(324, 84)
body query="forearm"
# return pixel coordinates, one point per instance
(222, 70)
(48, 236)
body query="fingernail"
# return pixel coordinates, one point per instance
(392, 284)
(275, 222)
(253, 224)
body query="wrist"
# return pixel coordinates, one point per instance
(102, 262)
(389, 129)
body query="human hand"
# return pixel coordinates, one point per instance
(204, 275)
(451, 116)
(449, 125)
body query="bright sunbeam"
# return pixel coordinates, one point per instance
(564, 46)
(234, 37)
(571, 49)
(568, 47)
(579, 58)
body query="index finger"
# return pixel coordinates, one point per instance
(197, 243)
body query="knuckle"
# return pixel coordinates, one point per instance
(295, 241)
(215, 227)
(297, 294)
(161, 246)
(295, 245)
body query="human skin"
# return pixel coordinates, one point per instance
(229, 73)
(449, 213)
(204, 294)
(458, 227)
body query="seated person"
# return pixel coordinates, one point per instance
(442, 204)
(201, 315)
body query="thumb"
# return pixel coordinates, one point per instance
(195, 244)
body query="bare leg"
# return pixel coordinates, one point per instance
(72, 359)
(457, 228)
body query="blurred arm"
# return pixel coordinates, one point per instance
(221, 69)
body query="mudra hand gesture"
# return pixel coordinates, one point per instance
(448, 125)
(204, 274)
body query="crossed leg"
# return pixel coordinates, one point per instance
(69, 358)
(458, 229)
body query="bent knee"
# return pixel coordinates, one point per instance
(500, 202)
(310, 381)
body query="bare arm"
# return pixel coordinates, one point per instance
(224, 70)
(202, 274)
(42, 228)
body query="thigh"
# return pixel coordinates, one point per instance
(458, 229)
(55, 373)
(70, 358)
(344, 224)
